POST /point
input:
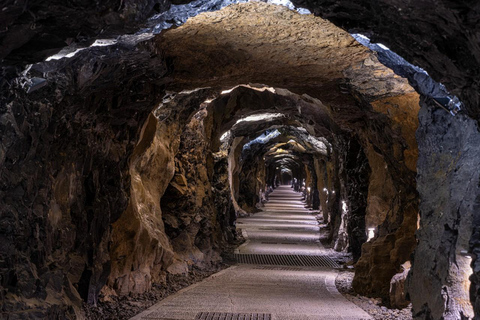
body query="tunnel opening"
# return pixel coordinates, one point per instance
(301, 146)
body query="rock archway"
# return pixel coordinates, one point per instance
(328, 65)
(93, 213)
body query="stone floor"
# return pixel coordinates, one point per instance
(285, 227)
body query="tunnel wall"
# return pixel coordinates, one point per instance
(146, 242)
(188, 206)
(65, 176)
(357, 174)
(438, 283)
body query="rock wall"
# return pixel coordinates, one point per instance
(449, 157)
(391, 150)
(188, 205)
(140, 249)
(357, 173)
(65, 154)
(34, 30)
(444, 42)
(64, 175)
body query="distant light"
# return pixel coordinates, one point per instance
(250, 87)
(208, 101)
(59, 55)
(309, 189)
(344, 206)
(289, 5)
(263, 138)
(371, 233)
(361, 36)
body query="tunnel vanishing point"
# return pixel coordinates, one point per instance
(134, 133)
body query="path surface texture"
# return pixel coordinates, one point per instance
(284, 273)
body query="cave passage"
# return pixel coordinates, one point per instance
(300, 158)
(284, 272)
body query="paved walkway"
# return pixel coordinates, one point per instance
(254, 291)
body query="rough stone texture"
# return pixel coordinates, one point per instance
(443, 42)
(188, 205)
(64, 175)
(381, 187)
(140, 249)
(76, 134)
(125, 307)
(449, 157)
(247, 43)
(239, 47)
(392, 153)
(374, 306)
(30, 31)
(357, 171)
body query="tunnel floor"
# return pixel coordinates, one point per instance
(268, 289)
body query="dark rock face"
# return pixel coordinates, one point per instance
(34, 30)
(63, 169)
(443, 42)
(449, 157)
(357, 173)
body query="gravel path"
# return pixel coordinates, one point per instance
(373, 306)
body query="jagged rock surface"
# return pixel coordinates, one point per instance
(449, 150)
(443, 42)
(64, 175)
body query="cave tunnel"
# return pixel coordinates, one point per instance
(146, 145)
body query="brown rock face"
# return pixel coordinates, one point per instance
(64, 177)
(426, 40)
(260, 43)
(171, 216)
